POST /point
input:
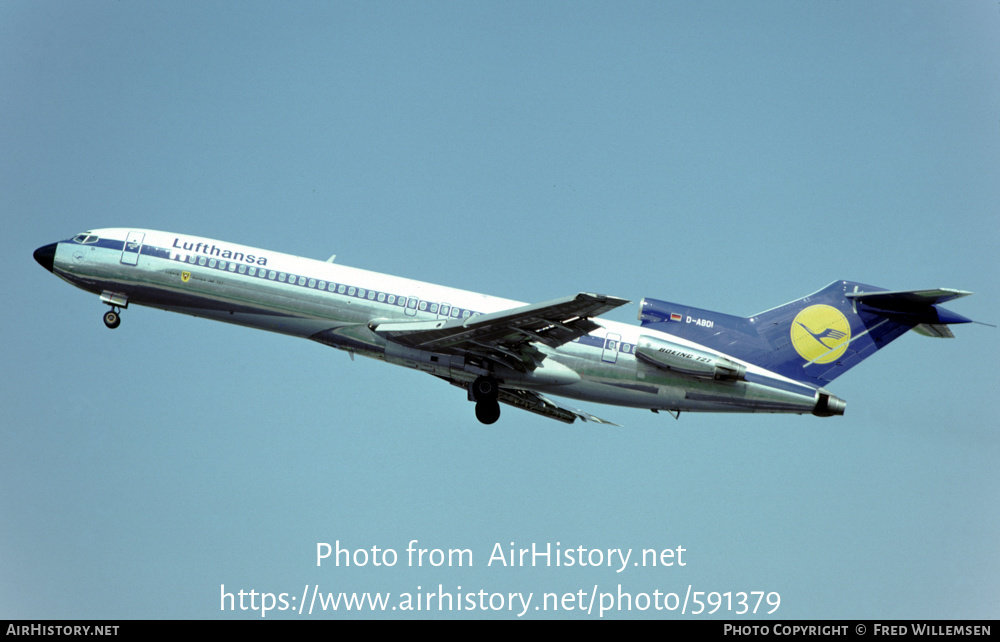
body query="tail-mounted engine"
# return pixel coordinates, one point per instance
(702, 364)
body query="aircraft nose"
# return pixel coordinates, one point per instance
(46, 256)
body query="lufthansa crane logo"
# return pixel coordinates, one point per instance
(820, 333)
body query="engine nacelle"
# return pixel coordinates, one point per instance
(827, 405)
(693, 362)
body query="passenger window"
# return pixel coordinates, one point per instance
(222, 265)
(342, 289)
(423, 306)
(371, 295)
(201, 260)
(211, 263)
(391, 300)
(445, 310)
(282, 276)
(271, 274)
(322, 285)
(243, 269)
(361, 293)
(302, 280)
(434, 307)
(412, 303)
(381, 297)
(253, 271)
(312, 283)
(351, 291)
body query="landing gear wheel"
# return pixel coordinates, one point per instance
(485, 389)
(112, 319)
(487, 411)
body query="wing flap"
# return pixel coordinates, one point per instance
(540, 405)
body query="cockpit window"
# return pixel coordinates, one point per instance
(86, 239)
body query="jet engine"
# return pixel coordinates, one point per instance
(694, 362)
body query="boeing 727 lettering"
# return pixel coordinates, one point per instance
(678, 359)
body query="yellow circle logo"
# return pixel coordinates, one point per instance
(820, 333)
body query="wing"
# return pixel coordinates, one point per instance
(504, 337)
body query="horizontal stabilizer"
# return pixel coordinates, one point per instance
(938, 330)
(917, 308)
(902, 299)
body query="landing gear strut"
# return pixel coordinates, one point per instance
(117, 301)
(485, 391)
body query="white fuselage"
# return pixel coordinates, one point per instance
(335, 305)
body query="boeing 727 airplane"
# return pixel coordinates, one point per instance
(678, 359)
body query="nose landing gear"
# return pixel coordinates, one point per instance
(117, 301)
(112, 319)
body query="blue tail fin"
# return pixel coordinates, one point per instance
(816, 338)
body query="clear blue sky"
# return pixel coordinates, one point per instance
(727, 155)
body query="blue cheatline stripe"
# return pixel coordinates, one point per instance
(298, 280)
